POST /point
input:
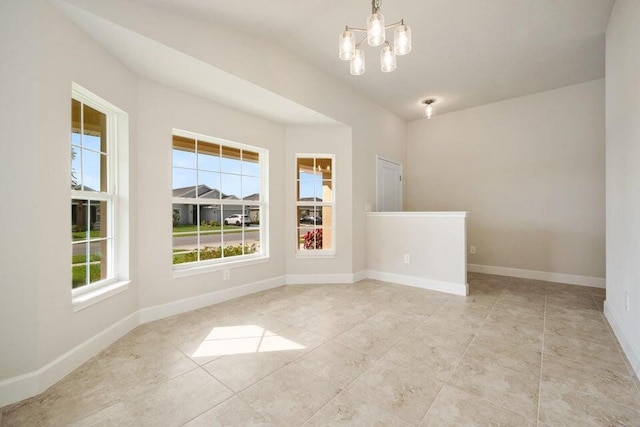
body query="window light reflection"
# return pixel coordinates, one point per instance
(229, 340)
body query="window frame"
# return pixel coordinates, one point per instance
(196, 267)
(316, 253)
(110, 196)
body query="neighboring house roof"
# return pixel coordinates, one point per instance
(206, 192)
(255, 196)
(310, 199)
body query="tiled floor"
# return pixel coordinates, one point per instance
(516, 352)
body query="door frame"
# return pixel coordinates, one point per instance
(395, 162)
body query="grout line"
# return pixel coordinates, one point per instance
(544, 332)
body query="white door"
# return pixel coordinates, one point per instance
(389, 186)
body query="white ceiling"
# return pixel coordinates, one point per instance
(465, 52)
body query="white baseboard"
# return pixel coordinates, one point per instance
(419, 282)
(320, 279)
(630, 350)
(570, 279)
(172, 308)
(360, 275)
(27, 385)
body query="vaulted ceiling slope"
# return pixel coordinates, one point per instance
(465, 52)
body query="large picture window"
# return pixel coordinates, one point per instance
(93, 193)
(315, 203)
(219, 198)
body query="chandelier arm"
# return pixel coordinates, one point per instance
(362, 30)
(395, 24)
(360, 42)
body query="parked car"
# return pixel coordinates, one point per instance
(237, 219)
(310, 219)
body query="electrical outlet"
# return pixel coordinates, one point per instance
(407, 258)
(627, 304)
(472, 249)
(226, 274)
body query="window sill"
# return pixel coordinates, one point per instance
(210, 268)
(315, 254)
(87, 299)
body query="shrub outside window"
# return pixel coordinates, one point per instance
(315, 203)
(219, 198)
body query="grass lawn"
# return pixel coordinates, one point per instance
(79, 274)
(80, 259)
(82, 235)
(191, 230)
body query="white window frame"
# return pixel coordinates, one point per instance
(197, 267)
(117, 215)
(316, 253)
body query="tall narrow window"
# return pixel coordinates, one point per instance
(219, 200)
(315, 203)
(92, 193)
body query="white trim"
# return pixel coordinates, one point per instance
(360, 275)
(87, 299)
(195, 268)
(405, 214)
(172, 308)
(630, 350)
(569, 279)
(419, 282)
(32, 383)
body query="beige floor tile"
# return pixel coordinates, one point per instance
(400, 390)
(453, 407)
(576, 316)
(335, 321)
(114, 415)
(82, 393)
(515, 316)
(197, 392)
(589, 380)
(233, 412)
(451, 338)
(521, 359)
(290, 396)
(583, 331)
(576, 302)
(434, 362)
(353, 411)
(335, 363)
(584, 351)
(561, 407)
(504, 387)
(518, 334)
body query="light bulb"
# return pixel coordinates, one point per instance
(402, 40)
(346, 45)
(357, 63)
(387, 59)
(430, 110)
(375, 29)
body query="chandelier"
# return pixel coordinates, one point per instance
(349, 50)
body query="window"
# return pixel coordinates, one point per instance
(219, 201)
(93, 192)
(315, 204)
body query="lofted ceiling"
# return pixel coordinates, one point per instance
(465, 52)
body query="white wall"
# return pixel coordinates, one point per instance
(160, 109)
(623, 176)
(434, 243)
(530, 171)
(321, 140)
(40, 324)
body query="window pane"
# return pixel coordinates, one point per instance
(231, 186)
(76, 158)
(95, 130)
(306, 191)
(184, 183)
(323, 191)
(210, 185)
(208, 156)
(76, 167)
(324, 167)
(97, 261)
(309, 216)
(310, 238)
(305, 168)
(184, 152)
(185, 233)
(252, 229)
(250, 188)
(94, 171)
(98, 219)
(210, 232)
(250, 163)
(231, 160)
(78, 264)
(233, 217)
(79, 220)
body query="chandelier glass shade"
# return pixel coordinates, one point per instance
(376, 35)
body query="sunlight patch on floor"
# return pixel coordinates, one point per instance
(229, 340)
